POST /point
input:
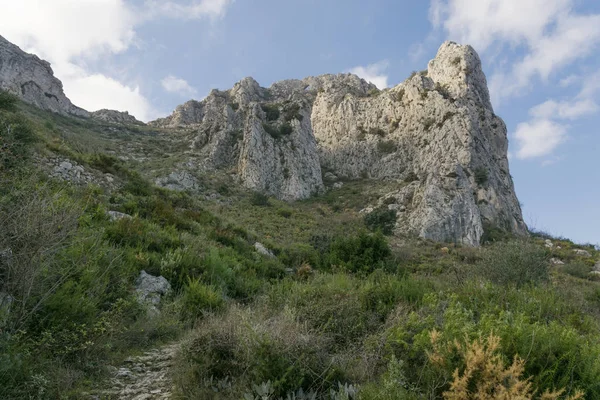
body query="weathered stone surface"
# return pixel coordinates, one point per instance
(582, 253)
(150, 289)
(435, 134)
(180, 181)
(116, 215)
(261, 249)
(32, 80)
(115, 117)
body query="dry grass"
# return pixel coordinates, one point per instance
(485, 375)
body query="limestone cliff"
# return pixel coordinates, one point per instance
(435, 134)
(32, 80)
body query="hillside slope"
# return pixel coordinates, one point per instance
(269, 299)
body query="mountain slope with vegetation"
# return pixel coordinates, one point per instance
(333, 309)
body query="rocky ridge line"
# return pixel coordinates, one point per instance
(436, 135)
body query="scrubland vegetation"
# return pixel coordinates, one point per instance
(340, 311)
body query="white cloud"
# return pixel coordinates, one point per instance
(374, 73)
(551, 32)
(544, 37)
(69, 32)
(180, 86)
(539, 138)
(564, 109)
(195, 10)
(569, 81)
(108, 93)
(546, 131)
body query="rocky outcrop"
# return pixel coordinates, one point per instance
(115, 117)
(150, 289)
(435, 134)
(32, 80)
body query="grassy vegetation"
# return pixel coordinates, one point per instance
(340, 312)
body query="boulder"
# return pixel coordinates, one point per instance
(180, 181)
(261, 249)
(116, 215)
(582, 253)
(151, 289)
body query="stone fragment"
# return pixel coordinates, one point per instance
(150, 289)
(582, 253)
(261, 249)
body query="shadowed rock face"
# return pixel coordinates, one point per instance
(32, 80)
(436, 134)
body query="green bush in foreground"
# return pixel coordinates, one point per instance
(199, 299)
(514, 263)
(381, 218)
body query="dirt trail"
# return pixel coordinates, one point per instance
(144, 377)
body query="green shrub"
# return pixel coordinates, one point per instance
(280, 131)
(199, 299)
(298, 254)
(411, 177)
(285, 129)
(514, 263)
(363, 253)
(373, 92)
(386, 146)
(284, 212)
(400, 95)
(271, 111)
(16, 138)
(251, 347)
(428, 123)
(493, 233)
(106, 163)
(555, 354)
(377, 132)
(577, 269)
(8, 101)
(137, 185)
(481, 176)
(291, 112)
(140, 234)
(443, 90)
(259, 199)
(382, 219)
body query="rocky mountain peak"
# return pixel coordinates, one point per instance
(32, 79)
(435, 135)
(458, 69)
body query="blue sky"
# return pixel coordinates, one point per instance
(541, 58)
